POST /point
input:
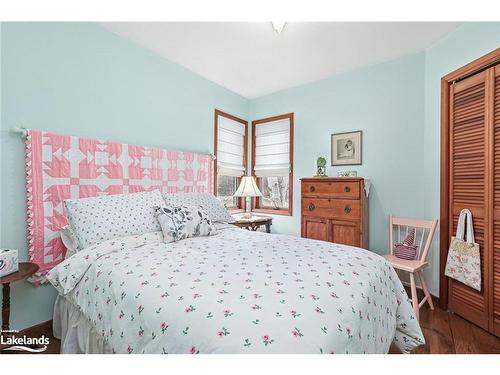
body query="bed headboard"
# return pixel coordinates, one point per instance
(60, 167)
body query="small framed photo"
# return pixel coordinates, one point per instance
(346, 148)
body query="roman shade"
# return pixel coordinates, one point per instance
(272, 148)
(230, 147)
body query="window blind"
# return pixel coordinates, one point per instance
(230, 147)
(272, 148)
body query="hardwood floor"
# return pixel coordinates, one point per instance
(445, 333)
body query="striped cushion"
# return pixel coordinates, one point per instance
(407, 250)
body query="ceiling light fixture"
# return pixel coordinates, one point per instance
(278, 26)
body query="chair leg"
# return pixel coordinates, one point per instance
(426, 291)
(414, 297)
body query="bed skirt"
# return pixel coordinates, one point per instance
(75, 332)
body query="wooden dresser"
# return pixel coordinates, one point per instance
(335, 209)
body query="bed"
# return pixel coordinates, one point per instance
(235, 292)
(113, 229)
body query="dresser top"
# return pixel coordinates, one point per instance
(332, 179)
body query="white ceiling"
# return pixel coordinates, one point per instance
(251, 59)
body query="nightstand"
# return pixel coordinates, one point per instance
(26, 269)
(254, 223)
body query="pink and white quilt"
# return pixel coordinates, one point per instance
(60, 167)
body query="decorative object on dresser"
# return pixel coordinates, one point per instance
(347, 174)
(470, 178)
(346, 148)
(248, 189)
(335, 209)
(254, 223)
(26, 270)
(321, 167)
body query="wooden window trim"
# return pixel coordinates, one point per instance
(241, 201)
(444, 224)
(255, 201)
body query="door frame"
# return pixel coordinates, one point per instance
(473, 67)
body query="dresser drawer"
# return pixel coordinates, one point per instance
(343, 209)
(334, 189)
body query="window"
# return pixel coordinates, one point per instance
(231, 156)
(272, 163)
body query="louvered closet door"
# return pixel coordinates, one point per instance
(495, 256)
(469, 179)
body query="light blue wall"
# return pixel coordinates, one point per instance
(464, 45)
(82, 80)
(385, 101)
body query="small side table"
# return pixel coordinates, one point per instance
(254, 223)
(26, 269)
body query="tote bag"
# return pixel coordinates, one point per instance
(464, 262)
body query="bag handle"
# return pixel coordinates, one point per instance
(470, 228)
(461, 225)
(465, 218)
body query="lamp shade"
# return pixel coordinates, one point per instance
(248, 188)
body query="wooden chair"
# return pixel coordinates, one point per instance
(423, 238)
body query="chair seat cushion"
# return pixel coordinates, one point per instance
(405, 265)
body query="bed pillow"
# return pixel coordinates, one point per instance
(98, 219)
(181, 222)
(69, 241)
(212, 206)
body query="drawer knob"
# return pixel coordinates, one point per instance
(347, 209)
(347, 189)
(312, 188)
(312, 207)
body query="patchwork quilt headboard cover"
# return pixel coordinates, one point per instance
(60, 167)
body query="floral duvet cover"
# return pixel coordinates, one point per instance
(238, 292)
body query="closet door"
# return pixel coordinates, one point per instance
(495, 256)
(469, 185)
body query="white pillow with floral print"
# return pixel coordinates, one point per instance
(212, 206)
(98, 219)
(181, 222)
(69, 241)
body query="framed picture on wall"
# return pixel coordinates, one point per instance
(346, 148)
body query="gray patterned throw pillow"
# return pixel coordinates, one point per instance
(211, 205)
(181, 222)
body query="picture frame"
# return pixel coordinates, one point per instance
(347, 148)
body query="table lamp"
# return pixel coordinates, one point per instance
(248, 188)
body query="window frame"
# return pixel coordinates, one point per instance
(241, 205)
(256, 205)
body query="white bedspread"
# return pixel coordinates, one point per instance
(238, 292)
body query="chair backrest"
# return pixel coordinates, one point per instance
(424, 232)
